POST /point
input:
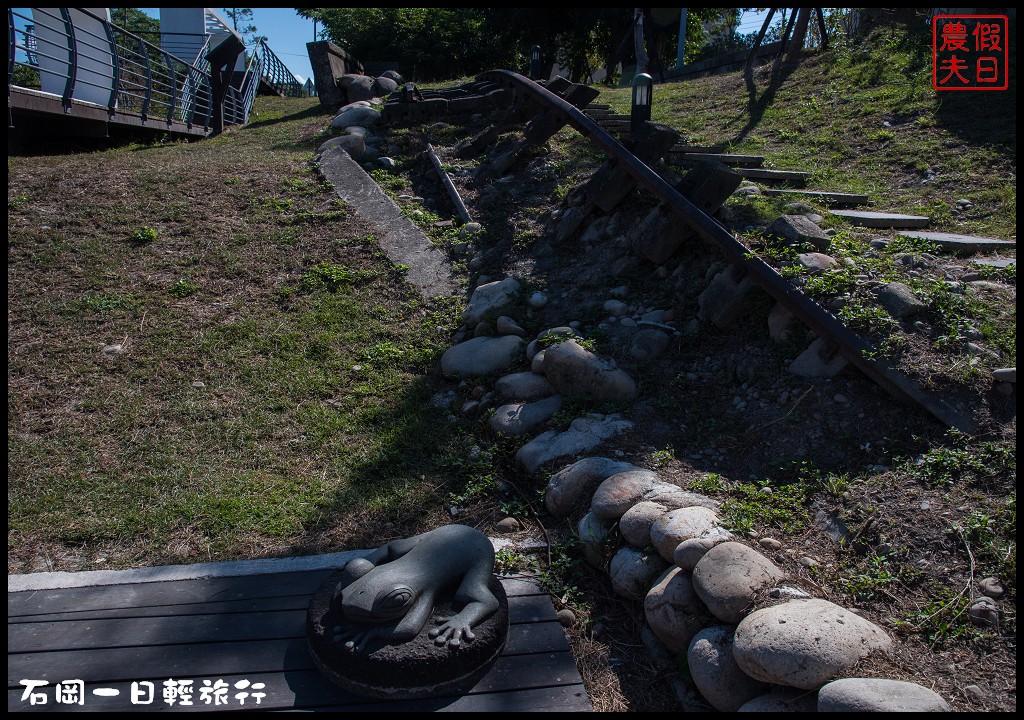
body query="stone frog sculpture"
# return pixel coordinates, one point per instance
(394, 589)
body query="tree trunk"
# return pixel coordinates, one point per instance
(638, 41)
(796, 46)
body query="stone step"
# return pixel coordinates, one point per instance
(1001, 263)
(825, 196)
(867, 218)
(681, 149)
(792, 176)
(725, 158)
(962, 243)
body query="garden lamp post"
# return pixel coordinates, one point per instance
(535, 62)
(643, 84)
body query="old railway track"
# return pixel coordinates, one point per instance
(547, 109)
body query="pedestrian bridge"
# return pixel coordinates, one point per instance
(73, 69)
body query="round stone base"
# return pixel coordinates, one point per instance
(416, 669)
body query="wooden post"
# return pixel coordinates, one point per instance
(799, 34)
(638, 40)
(760, 37)
(821, 29)
(222, 64)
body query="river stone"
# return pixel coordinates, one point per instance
(674, 497)
(355, 114)
(878, 695)
(1008, 375)
(648, 344)
(632, 572)
(816, 262)
(782, 323)
(782, 699)
(572, 370)
(810, 364)
(730, 576)
(354, 145)
(715, 673)
(899, 300)
(616, 308)
(635, 524)
(583, 435)
(482, 356)
(574, 484)
(507, 326)
(673, 611)
(356, 87)
(804, 643)
(593, 533)
(537, 363)
(674, 527)
(521, 418)
(797, 229)
(494, 297)
(622, 491)
(689, 552)
(384, 86)
(523, 386)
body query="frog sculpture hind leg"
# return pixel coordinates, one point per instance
(395, 588)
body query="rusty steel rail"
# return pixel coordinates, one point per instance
(851, 346)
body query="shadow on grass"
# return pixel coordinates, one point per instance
(985, 117)
(759, 102)
(405, 485)
(311, 111)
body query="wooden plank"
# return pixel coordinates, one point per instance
(570, 698)
(683, 149)
(231, 607)
(868, 218)
(33, 101)
(962, 243)
(826, 196)
(1001, 263)
(165, 593)
(128, 631)
(108, 664)
(104, 665)
(724, 158)
(794, 176)
(309, 689)
(22, 606)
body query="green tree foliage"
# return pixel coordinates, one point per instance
(442, 43)
(135, 21)
(242, 22)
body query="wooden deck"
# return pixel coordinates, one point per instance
(32, 106)
(252, 627)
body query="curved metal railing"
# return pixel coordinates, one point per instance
(81, 57)
(274, 71)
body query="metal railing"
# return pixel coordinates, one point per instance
(275, 72)
(81, 57)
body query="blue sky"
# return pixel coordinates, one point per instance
(287, 35)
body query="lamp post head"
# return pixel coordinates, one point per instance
(643, 85)
(535, 62)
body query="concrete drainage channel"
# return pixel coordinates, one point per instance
(772, 645)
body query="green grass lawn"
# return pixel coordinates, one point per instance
(209, 357)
